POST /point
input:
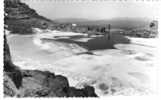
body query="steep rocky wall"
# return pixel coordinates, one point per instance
(35, 83)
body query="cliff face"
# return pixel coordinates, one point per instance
(35, 83)
(20, 18)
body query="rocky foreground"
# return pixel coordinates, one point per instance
(35, 83)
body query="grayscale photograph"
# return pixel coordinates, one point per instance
(78, 48)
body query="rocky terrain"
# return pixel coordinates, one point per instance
(36, 83)
(58, 58)
(20, 19)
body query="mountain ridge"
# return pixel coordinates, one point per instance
(123, 23)
(20, 18)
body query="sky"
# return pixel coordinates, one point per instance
(57, 9)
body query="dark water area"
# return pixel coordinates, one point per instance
(106, 43)
(97, 43)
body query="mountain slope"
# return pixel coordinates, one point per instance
(20, 18)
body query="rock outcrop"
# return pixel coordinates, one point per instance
(35, 83)
(9, 68)
(20, 18)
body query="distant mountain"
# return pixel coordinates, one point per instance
(71, 20)
(121, 23)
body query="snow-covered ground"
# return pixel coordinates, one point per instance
(129, 69)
